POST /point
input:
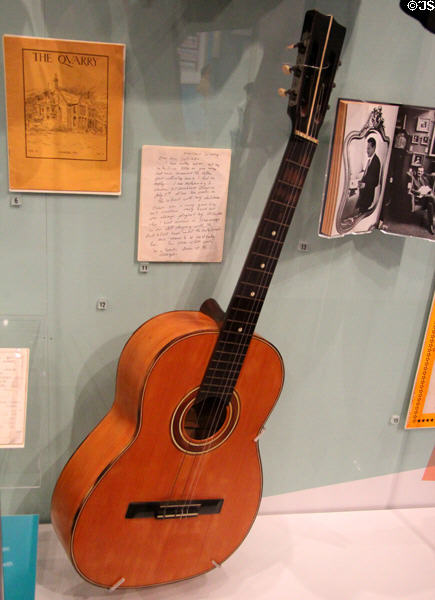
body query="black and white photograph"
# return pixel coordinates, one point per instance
(408, 207)
(417, 160)
(422, 124)
(381, 172)
(366, 150)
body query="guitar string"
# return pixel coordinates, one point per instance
(298, 184)
(256, 306)
(299, 174)
(275, 246)
(283, 226)
(290, 208)
(309, 150)
(274, 252)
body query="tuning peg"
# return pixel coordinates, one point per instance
(287, 69)
(299, 45)
(290, 93)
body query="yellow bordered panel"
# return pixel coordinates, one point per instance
(421, 411)
(65, 103)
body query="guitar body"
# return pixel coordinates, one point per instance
(141, 455)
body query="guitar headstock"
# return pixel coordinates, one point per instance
(313, 73)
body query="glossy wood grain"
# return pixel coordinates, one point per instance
(131, 457)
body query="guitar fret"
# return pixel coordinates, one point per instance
(264, 255)
(256, 284)
(281, 223)
(293, 205)
(293, 162)
(218, 369)
(233, 321)
(270, 239)
(297, 187)
(241, 334)
(259, 270)
(224, 393)
(232, 361)
(253, 298)
(286, 204)
(228, 362)
(240, 344)
(247, 310)
(236, 321)
(218, 377)
(219, 386)
(227, 352)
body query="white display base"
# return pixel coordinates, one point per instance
(361, 555)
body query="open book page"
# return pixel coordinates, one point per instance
(183, 198)
(409, 201)
(14, 369)
(358, 170)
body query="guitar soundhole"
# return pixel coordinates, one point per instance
(198, 426)
(205, 418)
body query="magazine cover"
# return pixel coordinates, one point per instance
(64, 102)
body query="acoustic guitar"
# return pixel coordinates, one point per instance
(168, 484)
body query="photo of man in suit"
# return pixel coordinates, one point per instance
(369, 180)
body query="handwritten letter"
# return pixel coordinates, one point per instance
(14, 367)
(183, 197)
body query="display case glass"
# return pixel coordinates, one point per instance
(347, 315)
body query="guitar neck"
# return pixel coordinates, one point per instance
(251, 289)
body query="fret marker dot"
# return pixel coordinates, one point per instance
(262, 265)
(273, 232)
(252, 293)
(240, 329)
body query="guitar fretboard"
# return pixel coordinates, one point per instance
(245, 305)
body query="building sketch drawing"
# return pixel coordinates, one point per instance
(63, 110)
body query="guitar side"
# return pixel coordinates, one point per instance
(121, 464)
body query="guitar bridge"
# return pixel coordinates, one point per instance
(173, 509)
